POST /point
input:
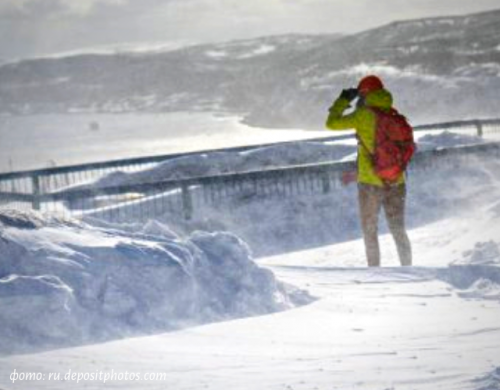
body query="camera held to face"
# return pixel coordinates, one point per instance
(349, 94)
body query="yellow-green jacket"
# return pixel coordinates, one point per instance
(363, 121)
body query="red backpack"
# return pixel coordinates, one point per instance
(394, 145)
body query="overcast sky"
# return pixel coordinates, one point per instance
(37, 27)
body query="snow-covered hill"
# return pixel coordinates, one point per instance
(209, 77)
(282, 81)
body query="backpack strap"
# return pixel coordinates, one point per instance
(363, 145)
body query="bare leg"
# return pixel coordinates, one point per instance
(370, 201)
(394, 207)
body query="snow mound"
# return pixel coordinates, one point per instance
(65, 283)
(490, 381)
(483, 253)
(216, 163)
(482, 289)
(447, 139)
(266, 157)
(37, 310)
(477, 274)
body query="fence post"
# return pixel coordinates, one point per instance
(325, 181)
(35, 180)
(479, 126)
(187, 202)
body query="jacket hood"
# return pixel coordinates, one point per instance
(380, 98)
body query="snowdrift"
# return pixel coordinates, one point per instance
(447, 139)
(490, 381)
(217, 163)
(477, 273)
(66, 283)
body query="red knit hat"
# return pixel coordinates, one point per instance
(369, 84)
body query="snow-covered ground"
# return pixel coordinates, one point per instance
(435, 325)
(211, 316)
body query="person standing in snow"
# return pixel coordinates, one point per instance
(373, 192)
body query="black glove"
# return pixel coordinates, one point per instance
(349, 94)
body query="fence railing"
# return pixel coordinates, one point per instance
(51, 189)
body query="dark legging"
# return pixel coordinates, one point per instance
(392, 199)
